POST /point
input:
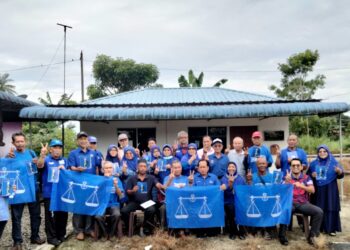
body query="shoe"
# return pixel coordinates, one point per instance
(267, 236)
(17, 246)
(80, 236)
(62, 239)
(54, 242)
(311, 240)
(284, 241)
(232, 236)
(92, 234)
(333, 234)
(241, 237)
(37, 241)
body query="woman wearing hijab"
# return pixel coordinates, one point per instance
(129, 163)
(231, 179)
(190, 160)
(112, 156)
(325, 171)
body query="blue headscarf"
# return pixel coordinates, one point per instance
(326, 166)
(110, 158)
(171, 150)
(152, 151)
(132, 164)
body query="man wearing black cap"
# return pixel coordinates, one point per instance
(84, 160)
(56, 222)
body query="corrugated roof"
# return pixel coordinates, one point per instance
(183, 112)
(10, 100)
(180, 96)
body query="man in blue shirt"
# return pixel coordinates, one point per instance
(22, 153)
(93, 146)
(181, 147)
(84, 160)
(256, 151)
(56, 222)
(291, 152)
(218, 161)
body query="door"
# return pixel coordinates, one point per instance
(243, 131)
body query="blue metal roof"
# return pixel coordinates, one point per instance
(183, 112)
(12, 100)
(180, 96)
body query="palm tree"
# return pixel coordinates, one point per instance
(4, 86)
(196, 82)
(64, 100)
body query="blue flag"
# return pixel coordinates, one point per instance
(14, 172)
(81, 193)
(195, 207)
(263, 206)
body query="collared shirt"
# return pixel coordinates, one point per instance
(287, 153)
(49, 163)
(144, 192)
(218, 166)
(237, 158)
(266, 179)
(180, 152)
(254, 153)
(200, 152)
(88, 160)
(209, 180)
(300, 196)
(178, 181)
(114, 200)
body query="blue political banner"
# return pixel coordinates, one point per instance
(195, 207)
(81, 193)
(263, 206)
(13, 172)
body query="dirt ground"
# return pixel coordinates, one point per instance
(161, 240)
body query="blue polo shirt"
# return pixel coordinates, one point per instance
(218, 166)
(180, 152)
(28, 155)
(209, 180)
(254, 153)
(49, 163)
(88, 159)
(266, 179)
(114, 200)
(287, 153)
(177, 181)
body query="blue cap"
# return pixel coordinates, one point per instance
(55, 142)
(192, 145)
(92, 139)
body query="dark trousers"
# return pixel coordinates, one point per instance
(55, 222)
(231, 221)
(316, 214)
(109, 228)
(83, 223)
(148, 221)
(35, 219)
(2, 227)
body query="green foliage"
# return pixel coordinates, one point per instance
(310, 144)
(196, 82)
(45, 132)
(4, 84)
(294, 83)
(119, 75)
(64, 100)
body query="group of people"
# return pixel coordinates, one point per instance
(142, 176)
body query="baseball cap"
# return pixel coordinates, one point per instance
(216, 140)
(55, 142)
(257, 134)
(92, 139)
(122, 137)
(81, 134)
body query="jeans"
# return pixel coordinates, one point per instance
(35, 219)
(316, 214)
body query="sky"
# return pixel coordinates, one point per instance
(242, 41)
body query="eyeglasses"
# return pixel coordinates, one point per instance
(295, 165)
(191, 149)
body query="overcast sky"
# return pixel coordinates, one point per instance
(242, 41)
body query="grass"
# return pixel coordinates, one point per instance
(310, 144)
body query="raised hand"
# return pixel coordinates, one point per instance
(231, 178)
(124, 168)
(288, 177)
(175, 146)
(156, 170)
(144, 153)
(191, 176)
(245, 151)
(338, 170)
(115, 182)
(314, 174)
(11, 153)
(249, 175)
(172, 174)
(44, 150)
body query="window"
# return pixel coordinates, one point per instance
(274, 135)
(138, 137)
(196, 134)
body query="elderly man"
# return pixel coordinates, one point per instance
(123, 141)
(207, 149)
(291, 152)
(218, 161)
(181, 147)
(237, 155)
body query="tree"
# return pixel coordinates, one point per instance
(194, 82)
(64, 100)
(4, 84)
(118, 75)
(294, 83)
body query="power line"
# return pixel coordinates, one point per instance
(37, 66)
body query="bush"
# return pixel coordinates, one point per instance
(310, 144)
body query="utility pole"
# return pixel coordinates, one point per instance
(64, 60)
(82, 75)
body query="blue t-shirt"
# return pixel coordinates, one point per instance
(218, 166)
(179, 181)
(209, 180)
(114, 200)
(266, 179)
(28, 155)
(88, 159)
(287, 153)
(49, 163)
(254, 153)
